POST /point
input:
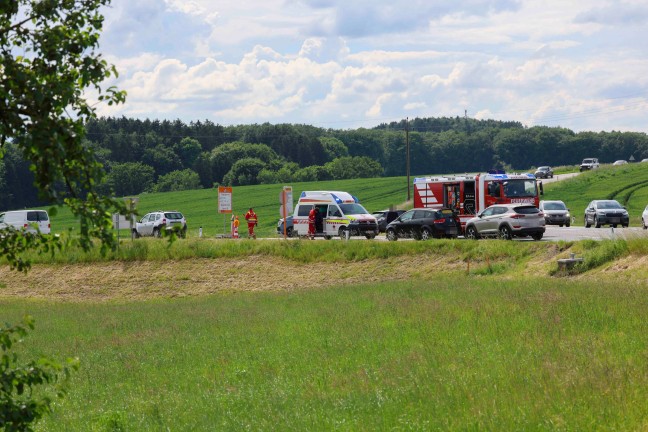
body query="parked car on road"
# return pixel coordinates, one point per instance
(555, 213)
(160, 222)
(606, 212)
(507, 221)
(544, 172)
(289, 227)
(384, 217)
(32, 221)
(589, 164)
(423, 224)
(644, 218)
(620, 162)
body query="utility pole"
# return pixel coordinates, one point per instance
(407, 156)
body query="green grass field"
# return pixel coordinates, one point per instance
(628, 184)
(455, 353)
(508, 345)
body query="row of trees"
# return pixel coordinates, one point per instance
(163, 155)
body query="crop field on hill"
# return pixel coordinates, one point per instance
(628, 184)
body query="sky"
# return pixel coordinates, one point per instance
(346, 64)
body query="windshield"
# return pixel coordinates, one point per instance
(609, 205)
(554, 206)
(353, 209)
(520, 188)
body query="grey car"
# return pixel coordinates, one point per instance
(606, 212)
(506, 221)
(555, 213)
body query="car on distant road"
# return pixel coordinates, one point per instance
(544, 172)
(620, 162)
(289, 227)
(384, 217)
(555, 213)
(644, 218)
(589, 164)
(424, 224)
(159, 223)
(644, 160)
(507, 221)
(606, 212)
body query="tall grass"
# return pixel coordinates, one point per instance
(454, 353)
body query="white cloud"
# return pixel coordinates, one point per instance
(304, 61)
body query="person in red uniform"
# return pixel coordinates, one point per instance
(312, 219)
(252, 221)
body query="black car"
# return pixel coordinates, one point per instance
(384, 217)
(544, 172)
(423, 224)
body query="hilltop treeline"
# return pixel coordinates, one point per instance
(153, 155)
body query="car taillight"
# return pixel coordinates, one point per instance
(517, 216)
(541, 214)
(25, 225)
(440, 221)
(49, 226)
(163, 221)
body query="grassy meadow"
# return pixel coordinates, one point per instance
(628, 184)
(455, 353)
(490, 336)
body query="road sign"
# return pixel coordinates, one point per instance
(224, 199)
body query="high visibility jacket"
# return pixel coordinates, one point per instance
(251, 217)
(312, 216)
(236, 223)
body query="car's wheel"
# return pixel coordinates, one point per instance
(596, 222)
(560, 225)
(567, 224)
(587, 224)
(643, 222)
(370, 236)
(426, 234)
(342, 233)
(471, 233)
(135, 234)
(391, 235)
(183, 232)
(157, 233)
(537, 236)
(614, 225)
(505, 233)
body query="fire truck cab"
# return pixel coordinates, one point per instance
(339, 214)
(468, 194)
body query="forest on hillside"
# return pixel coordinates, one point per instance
(158, 156)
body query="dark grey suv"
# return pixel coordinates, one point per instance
(606, 212)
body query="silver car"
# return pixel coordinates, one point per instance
(507, 221)
(555, 213)
(644, 218)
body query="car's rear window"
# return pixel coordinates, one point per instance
(174, 215)
(37, 216)
(526, 210)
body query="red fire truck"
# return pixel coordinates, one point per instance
(470, 193)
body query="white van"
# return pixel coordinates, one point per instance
(31, 221)
(339, 212)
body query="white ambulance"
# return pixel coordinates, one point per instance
(339, 213)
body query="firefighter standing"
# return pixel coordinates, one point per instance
(252, 221)
(312, 220)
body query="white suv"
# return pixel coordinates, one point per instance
(161, 222)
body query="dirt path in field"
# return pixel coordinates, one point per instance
(151, 279)
(141, 280)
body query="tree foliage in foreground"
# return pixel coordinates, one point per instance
(48, 64)
(49, 61)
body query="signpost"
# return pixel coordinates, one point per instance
(225, 205)
(286, 201)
